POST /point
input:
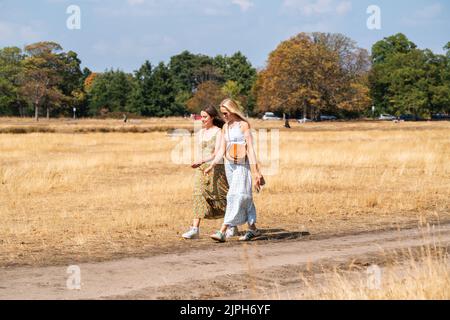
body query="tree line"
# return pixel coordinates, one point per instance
(305, 76)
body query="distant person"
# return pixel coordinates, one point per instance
(125, 118)
(286, 121)
(237, 147)
(210, 192)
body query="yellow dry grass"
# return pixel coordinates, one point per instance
(424, 277)
(67, 197)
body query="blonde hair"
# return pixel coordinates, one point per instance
(233, 107)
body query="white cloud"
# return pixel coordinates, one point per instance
(211, 11)
(243, 4)
(317, 7)
(149, 8)
(15, 33)
(152, 8)
(319, 26)
(430, 12)
(424, 16)
(308, 7)
(316, 27)
(135, 2)
(141, 47)
(6, 30)
(343, 7)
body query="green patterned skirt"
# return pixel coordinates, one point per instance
(210, 193)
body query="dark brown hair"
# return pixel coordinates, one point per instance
(217, 120)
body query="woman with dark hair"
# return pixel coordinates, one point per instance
(210, 192)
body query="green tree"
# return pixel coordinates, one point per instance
(398, 43)
(408, 80)
(10, 69)
(408, 84)
(71, 72)
(447, 48)
(72, 84)
(189, 70)
(154, 93)
(181, 101)
(240, 71)
(163, 94)
(136, 102)
(237, 68)
(380, 79)
(439, 77)
(140, 97)
(110, 92)
(232, 89)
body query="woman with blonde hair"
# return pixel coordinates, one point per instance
(210, 192)
(240, 157)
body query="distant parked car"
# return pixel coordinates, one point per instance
(409, 117)
(270, 116)
(327, 118)
(304, 120)
(440, 117)
(387, 117)
(406, 117)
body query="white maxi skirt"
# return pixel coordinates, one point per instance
(240, 207)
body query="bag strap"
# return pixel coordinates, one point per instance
(228, 130)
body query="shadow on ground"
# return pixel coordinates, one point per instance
(281, 234)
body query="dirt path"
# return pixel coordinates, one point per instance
(224, 272)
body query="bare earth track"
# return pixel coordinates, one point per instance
(260, 269)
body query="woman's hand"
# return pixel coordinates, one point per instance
(259, 177)
(197, 164)
(208, 170)
(259, 182)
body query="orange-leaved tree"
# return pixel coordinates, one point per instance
(208, 93)
(306, 75)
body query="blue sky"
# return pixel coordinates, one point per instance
(124, 33)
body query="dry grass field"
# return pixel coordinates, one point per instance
(109, 193)
(421, 276)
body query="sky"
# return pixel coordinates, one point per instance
(122, 34)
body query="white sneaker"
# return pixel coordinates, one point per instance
(193, 233)
(232, 232)
(250, 235)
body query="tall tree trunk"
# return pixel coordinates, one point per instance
(36, 112)
(19, 108)
(48, 113)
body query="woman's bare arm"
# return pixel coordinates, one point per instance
(198, 137)
(250, 149)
